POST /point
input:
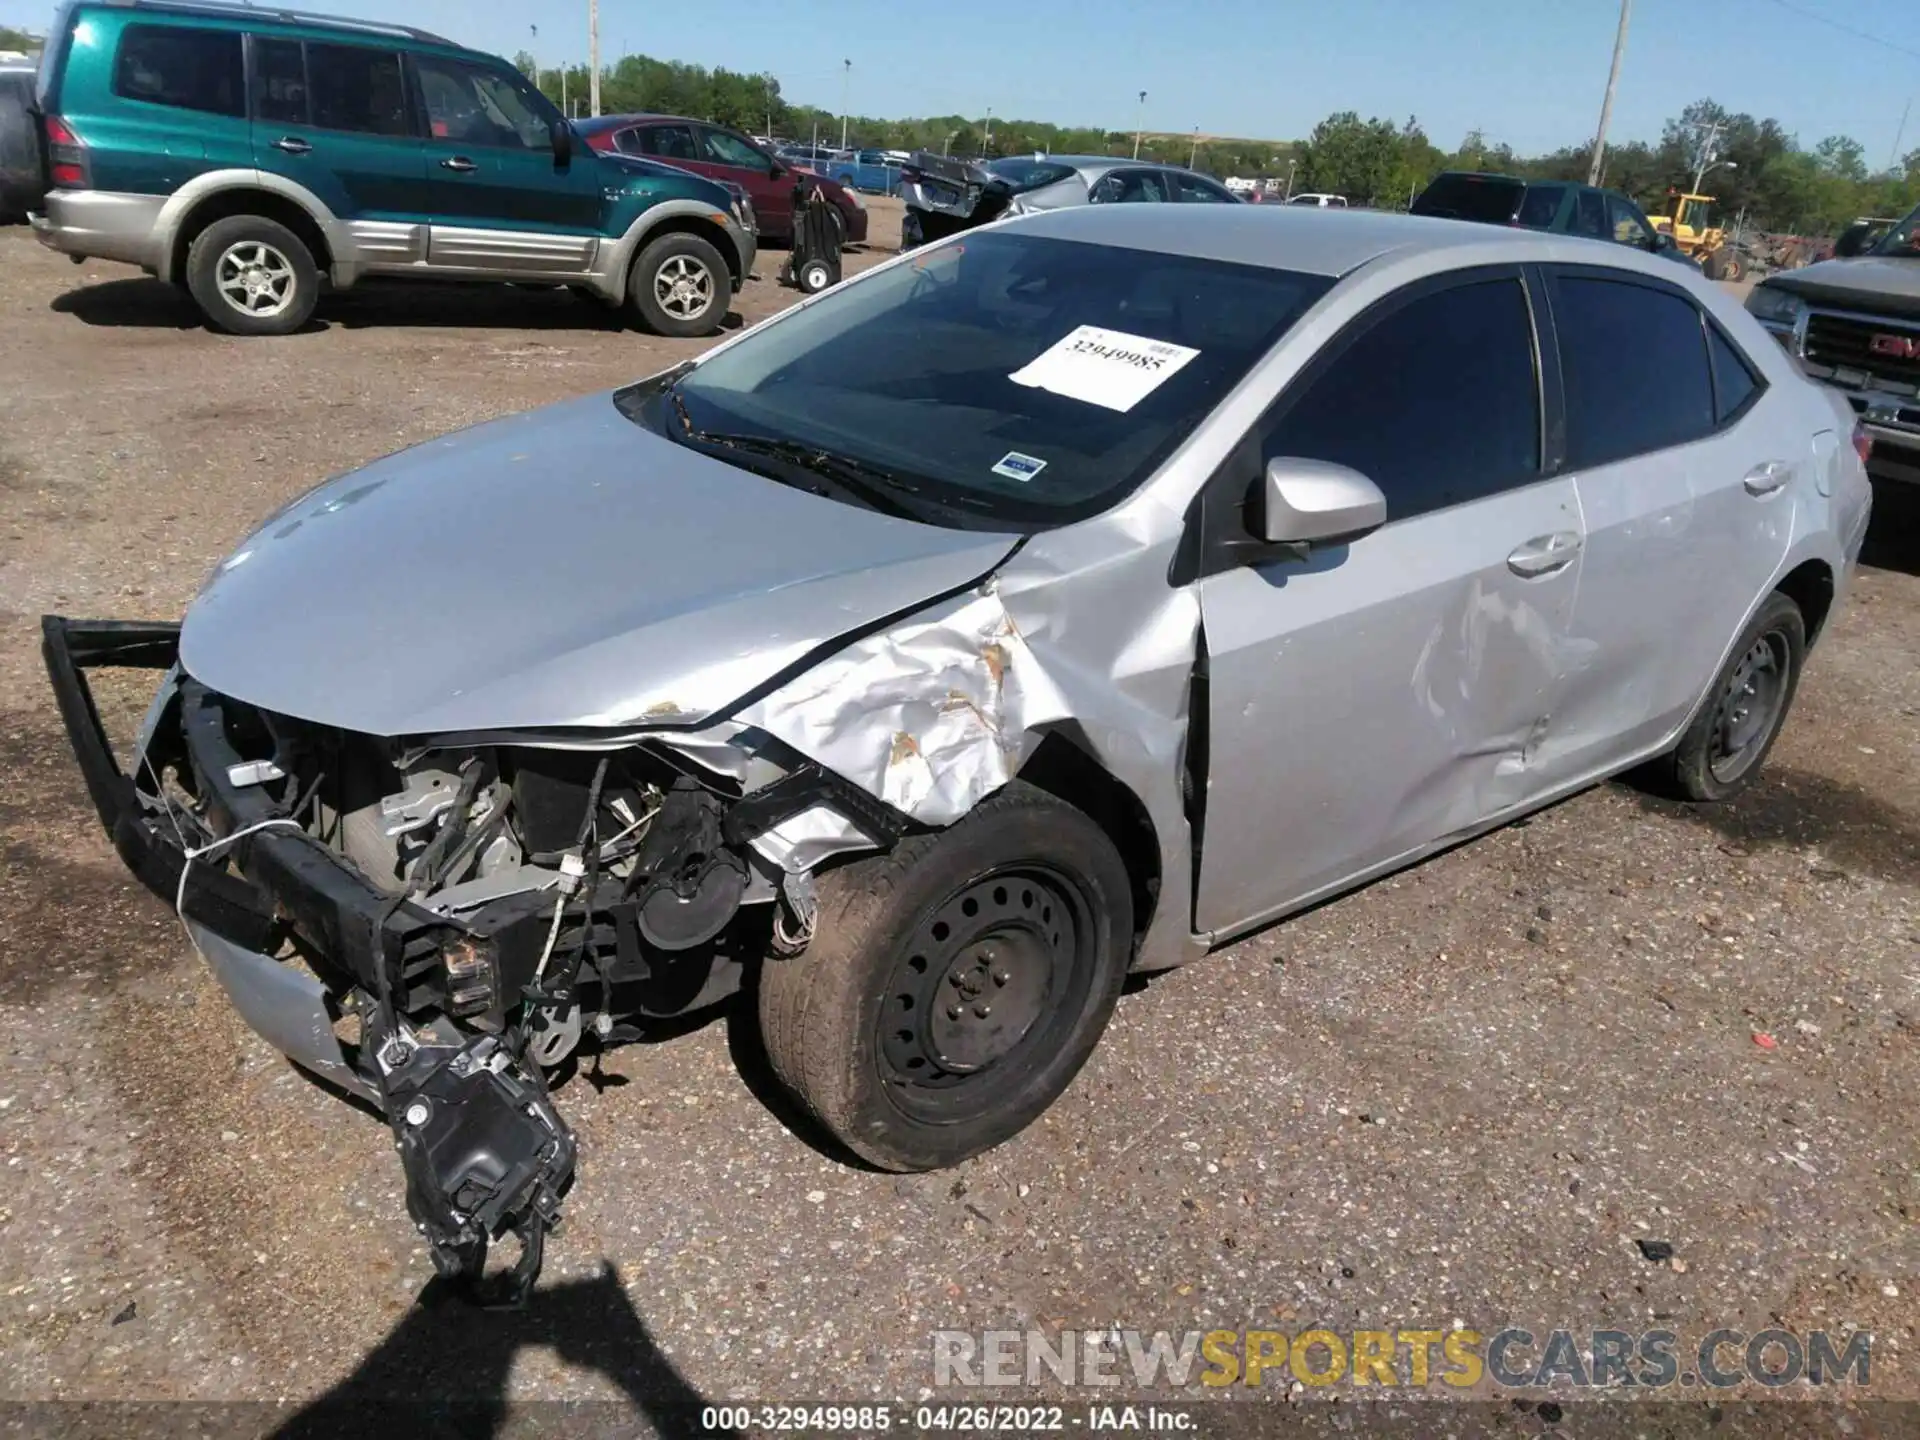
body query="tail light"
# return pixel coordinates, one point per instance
(66, 156)
(1862, 442)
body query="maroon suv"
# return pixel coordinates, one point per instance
(722, 154)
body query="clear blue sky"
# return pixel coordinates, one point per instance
(1529, 72)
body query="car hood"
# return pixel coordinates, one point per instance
(1874, 283)
(564, 567)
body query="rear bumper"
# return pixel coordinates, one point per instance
(103, 225)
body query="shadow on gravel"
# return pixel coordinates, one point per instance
(1893, 537)
(150, 304)
(1849, 828)
(445, 1369)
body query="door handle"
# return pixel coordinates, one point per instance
(1545, 554)
(458, 162)
(292, 144)
(1767, 478)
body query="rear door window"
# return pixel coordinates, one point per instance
(1634, 360)
(279, 81)
(1455, 369)
(1590, 215)
(189, 69)
(357, 88)
(1541, 207)
(665, 142)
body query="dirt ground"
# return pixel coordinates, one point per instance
(1458, 1096)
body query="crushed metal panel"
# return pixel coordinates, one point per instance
(938, 712)
(931, 716)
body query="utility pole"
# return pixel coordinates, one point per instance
(1290, 165)
(1193, 153)
(1606, 105)
(533, 41)
(987, 144)
(1706, 154)
(1900, 135)
(1140, 125)
(846, 89)
(593, 56)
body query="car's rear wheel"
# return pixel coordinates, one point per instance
(680, 286)
(252, 276)
(1722, 751)
(955, 986)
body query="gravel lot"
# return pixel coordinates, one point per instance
(1459, 1095)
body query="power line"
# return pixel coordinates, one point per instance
(1847, 29)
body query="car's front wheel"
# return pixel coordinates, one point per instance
(954, 986)
(680, 286)
(252, 276)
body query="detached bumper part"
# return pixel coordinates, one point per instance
(483, 1149)
(482, 1146)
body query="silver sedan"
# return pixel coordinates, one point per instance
(944, 195)
(1056, 602)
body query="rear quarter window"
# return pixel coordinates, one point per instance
(182, 67)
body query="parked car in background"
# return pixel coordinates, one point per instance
(1319, 200)
(722, 153)
(1558, 206)
(1853, 323)
(812, 157)
(868, 170)
(944, 195)
(925, 651)
(22, 180)
(247, 153)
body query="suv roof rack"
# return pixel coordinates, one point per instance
(230, 9)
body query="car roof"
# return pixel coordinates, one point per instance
(254, 18)
(1328, 242)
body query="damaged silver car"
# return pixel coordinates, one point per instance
(1058, 601)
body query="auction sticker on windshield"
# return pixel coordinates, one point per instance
(1016, 466)
(1109, 368)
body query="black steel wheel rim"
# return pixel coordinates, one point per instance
(1749, 707)
(991, 983)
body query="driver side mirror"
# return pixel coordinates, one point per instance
(562, 136)
(1852, 243)
(1303, 501)
(1660, 241)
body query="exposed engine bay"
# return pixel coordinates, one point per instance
(474, 912)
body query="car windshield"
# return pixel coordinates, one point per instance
(1023, 173)
(1472, 197)
(1903, 239)
(1000, 380)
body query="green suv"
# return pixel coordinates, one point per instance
(246, 153)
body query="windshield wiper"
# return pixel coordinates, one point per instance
(869, 483)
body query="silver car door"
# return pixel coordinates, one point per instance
(1387, 693)
(1685, 483)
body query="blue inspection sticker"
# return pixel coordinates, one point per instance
(1016, 466)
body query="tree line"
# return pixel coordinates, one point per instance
(1771, 179)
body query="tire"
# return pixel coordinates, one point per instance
(877, 1027)
(1721, 753)
(815, 276)
(248, 261)
(670, 276)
